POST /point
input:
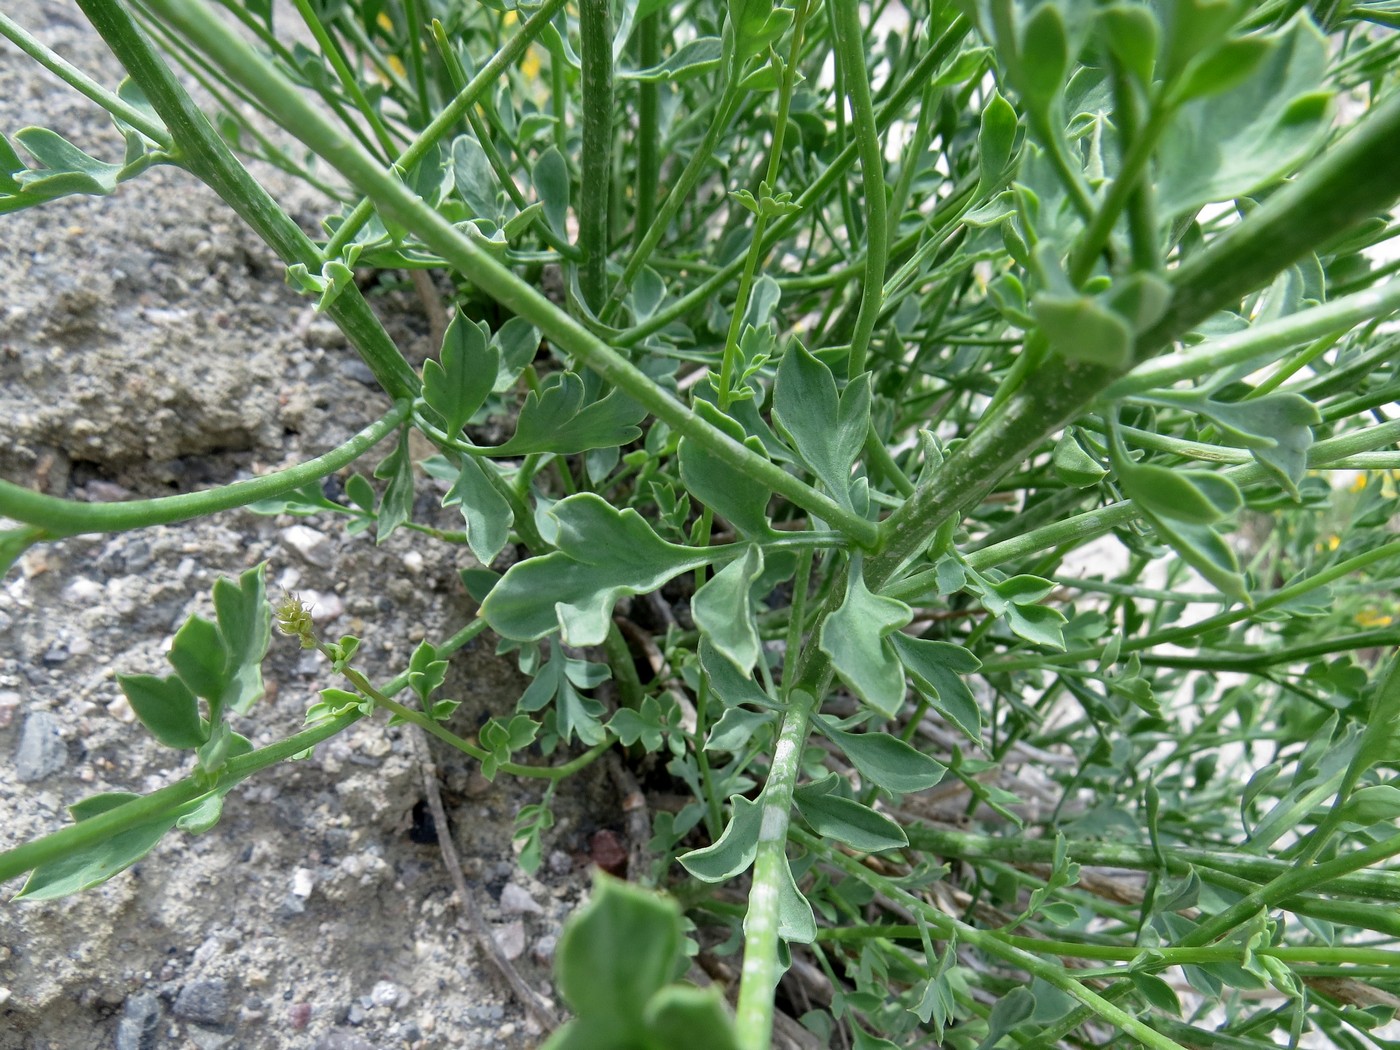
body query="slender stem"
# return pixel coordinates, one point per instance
(413, 14)
(995, 944)
(502, 60)
(754, 1013)
(850, 59)
(595, 166)
(648, 140)
(77, 79)
(1262, 342)
(152, 807)
(61, 517)
(348, 81)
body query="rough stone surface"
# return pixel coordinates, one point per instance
(42, 751)
(149, 345)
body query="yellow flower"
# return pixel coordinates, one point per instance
(530, 64)
(1372, 618)
(385, 22)
(1359, 482)
(396, 64)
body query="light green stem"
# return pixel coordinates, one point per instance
(61, 517)
(754, 1014)
(850, 58)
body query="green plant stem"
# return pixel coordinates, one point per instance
(349, 83)
(850, 59)
(244, 66)
(992, 943)
(1373, 885)
(431, 725)
(648, 140)
(85, 85)
(892, 110)
(759, 980)
(61, 517)
(210, 160)
(1094, 523)
(453, 112)
(413, 16)
(595, 165)
(1262, 342)
(680, 193)
(152, 807)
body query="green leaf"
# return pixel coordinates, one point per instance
(517, 341)
(723, 612)
(486, 512)
(755, 24)
(796, 923)
(555, 419)
(199, 658)
(1131, 33)
(1196, 497)
(397, 504)
(828, 432)
(733, 852)
(1156, 992)
(551, 177)
(1276, 428)
(855, 636)
(64, 168)
(732, 686)
(167, 708)
(846, 820)
(1228, 66)
(936, 669)
(459, 386)
(474, 179)
(1204, 550)
(683, 1016)
(996, 142)
(575, 715)
(604, 554)
(1044, 57)
(691, 59)
(616, 953)
(737, 498)
(1235, 143)
(10, 166)
(1073, 465)
(245, 625)
(1083, 329)
(884, 761)
(93, 865)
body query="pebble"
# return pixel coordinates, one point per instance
(42, 751)
(387, 993)
(510, 938)
(9, 704)
(314, 546)
(204, 1002)
(140, 1018)
(542, 951)
(299, 1016)
(303, 882)
(56, 654)
(559, 862)
(82, 591)
(515, 900)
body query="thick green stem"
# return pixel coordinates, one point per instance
(850, 59)
(754, 1014)
(61, 517)
(595, 166)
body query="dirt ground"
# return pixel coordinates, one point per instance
(149, 345)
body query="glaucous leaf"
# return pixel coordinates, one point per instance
(856, 637)
(486, 512)
(845, 820)
(936, 669)
(604, 553)
(167, 708)
(733, 852)
(735, 497)
(828, 432)
(555, 419)
(885, 761)
(723, 611)
(460, 384)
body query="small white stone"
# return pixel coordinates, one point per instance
(303, 882)
(82, 591)
(413, 562)
(515, 900)
(510, 938)
(387, 993)
(314, 546)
